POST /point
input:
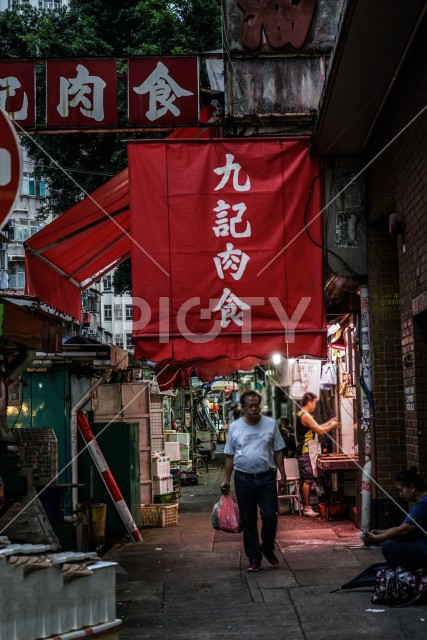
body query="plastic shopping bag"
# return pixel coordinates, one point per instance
(313, 452)
(216, 507)
(225, 515)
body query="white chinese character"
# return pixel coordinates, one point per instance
(163, 91)
(225, 171)
(85, 90)
(233, 259)
(8, 87)
(231, 309)
(225, 227)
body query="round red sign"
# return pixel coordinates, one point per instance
(10, 167)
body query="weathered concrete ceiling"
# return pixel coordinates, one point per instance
(373, 41)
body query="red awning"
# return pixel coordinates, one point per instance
(89, 240)
(177, 374)
(80, 246)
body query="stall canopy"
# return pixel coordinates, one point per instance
(87, 241)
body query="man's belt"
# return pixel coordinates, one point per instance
(257, 475)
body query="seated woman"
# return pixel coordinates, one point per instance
(406, 545)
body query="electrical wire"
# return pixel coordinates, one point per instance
(45, 166)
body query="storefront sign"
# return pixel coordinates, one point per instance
(162, 91)
(81, 93)
(281, 22)
(17, 91)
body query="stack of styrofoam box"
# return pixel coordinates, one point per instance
(184, 440)
(88, 592)
(162, 485)
(177, 436)
(162, 478)
(160, 466)
(68, 592)
(173, 450)
(23, 589)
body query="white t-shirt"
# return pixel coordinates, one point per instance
(253, 446)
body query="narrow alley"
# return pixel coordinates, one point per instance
(190, 581)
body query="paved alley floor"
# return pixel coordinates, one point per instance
(190, 581)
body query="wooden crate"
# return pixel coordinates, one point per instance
(159, 515)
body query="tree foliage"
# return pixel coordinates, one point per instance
(115, 28)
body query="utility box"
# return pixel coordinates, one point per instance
(119, 443)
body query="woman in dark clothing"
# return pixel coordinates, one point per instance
(406, 545)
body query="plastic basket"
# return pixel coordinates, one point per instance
(159, 515)
(164, 498)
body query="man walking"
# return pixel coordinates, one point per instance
(254, 449)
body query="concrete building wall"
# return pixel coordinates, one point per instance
(269, 70)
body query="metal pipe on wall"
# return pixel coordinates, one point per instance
(74, 433)
(367, 407)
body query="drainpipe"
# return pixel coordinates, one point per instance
(367, 408)
(74, 432)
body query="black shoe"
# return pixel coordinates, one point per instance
(254, 566)
(272, 559)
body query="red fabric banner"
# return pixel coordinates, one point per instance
(226, 258)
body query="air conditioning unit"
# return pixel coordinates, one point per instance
(15, 258)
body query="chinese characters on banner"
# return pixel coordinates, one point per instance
(221, 263)
(83, 92)
(281, 22)
(163, 91)
(17, 92)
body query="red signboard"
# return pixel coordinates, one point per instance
(163, 91)
(17, 91)
(81, 93)
(222, 262)
(10, 167)
(281, 22)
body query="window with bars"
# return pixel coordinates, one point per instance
(107, 283)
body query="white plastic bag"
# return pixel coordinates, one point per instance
(328, 378)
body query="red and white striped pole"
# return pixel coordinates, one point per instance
(107, 477)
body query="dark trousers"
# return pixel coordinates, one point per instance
(251, 493)
(406, 554)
